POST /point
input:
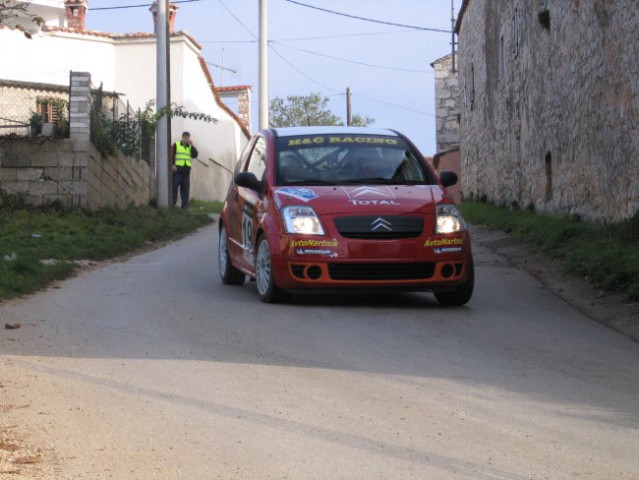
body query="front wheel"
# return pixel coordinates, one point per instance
(462, 294)
(228, 273)
(268, 291)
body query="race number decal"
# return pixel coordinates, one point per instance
(247, 231)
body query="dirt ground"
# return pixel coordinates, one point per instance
(25, 454)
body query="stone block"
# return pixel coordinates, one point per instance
(16, 187)
(8, 174)
(45, 159)
(72, 188)
(33, 200)
(43, 188)
(58, 174)
(80, 144)
(29, 174)
(80, 160)
(16, 160)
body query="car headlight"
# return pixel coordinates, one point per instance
(449, 220)
(302, 221)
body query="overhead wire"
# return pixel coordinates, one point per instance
(140, 5)
(319, 37)
(357, 17)
(400, 69)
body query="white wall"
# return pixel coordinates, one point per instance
(49, 58)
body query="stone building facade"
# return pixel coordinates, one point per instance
(549, 105)
(446, 103)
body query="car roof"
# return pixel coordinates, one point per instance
(332, 130)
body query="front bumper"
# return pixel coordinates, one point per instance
(413, 264)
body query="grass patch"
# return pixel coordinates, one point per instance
(30, 236)
(607, 256)
(201, 206)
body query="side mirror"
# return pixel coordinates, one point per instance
(448, 179)
(248, 180)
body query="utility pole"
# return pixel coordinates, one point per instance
(263, 67)
(162, 133)
(452, 29)
(349, 115)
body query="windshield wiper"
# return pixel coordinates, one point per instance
(359, 181)
(313, 181)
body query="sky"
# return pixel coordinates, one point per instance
(387, 67)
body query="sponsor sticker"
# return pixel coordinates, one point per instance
(444, 242)
(368, 195)
(315, 243)
(312, 251)
(335, 140)
(447, 250)
(304, 194)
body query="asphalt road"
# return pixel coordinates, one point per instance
(152, 369)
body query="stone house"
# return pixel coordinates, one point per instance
(126, 63)
(447, 121)
(549, 105)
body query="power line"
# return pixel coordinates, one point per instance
(290, 64)
(351, 61)
(319, 37)
(369, 19)
(139, 6)
(393, 105)
(238, 20)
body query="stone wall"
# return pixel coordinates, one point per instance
(446, 103)
(549, 113)
(71, 171)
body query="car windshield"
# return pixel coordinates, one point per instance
(348, 159)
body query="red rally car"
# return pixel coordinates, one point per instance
(342, 207)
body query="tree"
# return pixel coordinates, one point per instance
(10, 9)
(308, 110)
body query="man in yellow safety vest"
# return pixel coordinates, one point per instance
(182, 152)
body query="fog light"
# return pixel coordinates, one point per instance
(313, 272)
(447, 270)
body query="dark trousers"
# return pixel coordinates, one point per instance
(181, 181)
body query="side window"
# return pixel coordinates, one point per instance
(257, 162)
(244, 155)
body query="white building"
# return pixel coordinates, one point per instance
(126, 63)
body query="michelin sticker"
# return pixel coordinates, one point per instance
(311, 251)
(304, 194)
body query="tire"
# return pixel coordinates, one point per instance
(228, 273)
(268, 291)
(462, 294)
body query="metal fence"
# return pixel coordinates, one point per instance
(28, 108)
(116, 126)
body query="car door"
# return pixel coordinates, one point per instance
(248, 204)
(234, 204)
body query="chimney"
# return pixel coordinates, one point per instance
(76, 11)
(173, 8)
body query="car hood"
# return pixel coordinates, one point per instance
(363, 199)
